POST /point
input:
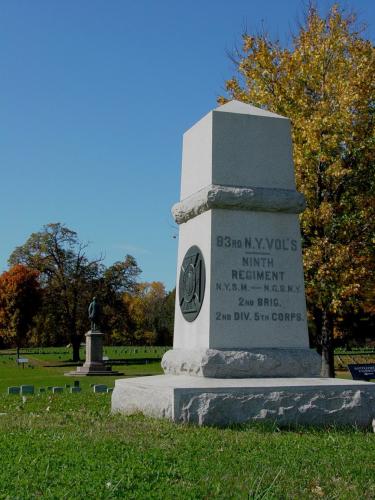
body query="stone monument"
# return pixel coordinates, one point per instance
(94, 364)
(241, 349)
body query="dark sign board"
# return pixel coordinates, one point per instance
(362, 372)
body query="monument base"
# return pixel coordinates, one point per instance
(93, 369)
(94, 364)
(285, 401)
(82, 371)
(230, 363)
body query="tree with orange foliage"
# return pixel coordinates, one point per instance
(70, 279)
(20, 296)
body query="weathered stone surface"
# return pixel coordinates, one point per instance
(82, 371)
(94, 364)
(238, 198)
(237, 145)
(242, 364)
(136, 397)
(94, 348)
(254, 294)
(204, 401)
(239, 206)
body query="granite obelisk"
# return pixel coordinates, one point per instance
(241, 349)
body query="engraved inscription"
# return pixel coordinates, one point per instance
(261, 284)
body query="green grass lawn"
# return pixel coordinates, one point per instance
(113, 352)
(70, 446)
(46, 366)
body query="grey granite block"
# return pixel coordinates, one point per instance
(259, 363)
(208, 401)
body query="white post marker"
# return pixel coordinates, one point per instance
(22, 361)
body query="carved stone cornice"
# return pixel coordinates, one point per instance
(257, 199)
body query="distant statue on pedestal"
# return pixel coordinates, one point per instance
(94, 315)
(94, 364)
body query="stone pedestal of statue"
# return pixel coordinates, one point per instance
(94, 354)
(94, 364)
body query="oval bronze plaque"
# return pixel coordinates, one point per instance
(192, 283)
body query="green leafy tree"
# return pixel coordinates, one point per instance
(20, 296)
(68, 278)
(325, 83)
(167, 318)
(151, 313)
(116, 280)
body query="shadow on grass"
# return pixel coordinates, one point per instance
(274, 427)
(65, 364)
(112, 362)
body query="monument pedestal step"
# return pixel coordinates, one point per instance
(82, 371)
(242, 363)
(210, 401)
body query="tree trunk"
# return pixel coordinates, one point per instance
(328, 362)
(18, 352)
(76, 344)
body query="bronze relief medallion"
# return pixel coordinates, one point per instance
(192, 283)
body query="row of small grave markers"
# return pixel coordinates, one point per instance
(119, 349)
(29, 389)
(24, 361)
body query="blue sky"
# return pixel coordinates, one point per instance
(94, 99)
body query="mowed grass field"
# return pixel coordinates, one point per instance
(71, 446)
(46, 366)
